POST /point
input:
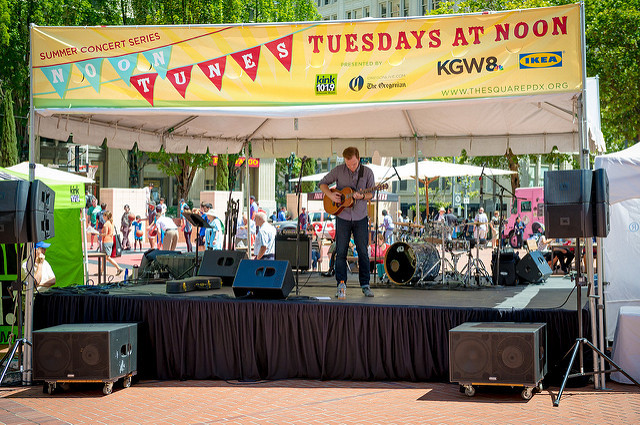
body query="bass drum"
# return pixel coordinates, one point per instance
(411, 262)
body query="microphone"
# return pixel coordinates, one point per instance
(396, 171)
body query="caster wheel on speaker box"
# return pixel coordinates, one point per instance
(469, 390)
(51, 387)
(527, 393)
(126, 383)
(108, 388)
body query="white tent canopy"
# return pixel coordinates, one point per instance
(526, 124)
(430, 169)
(44, 172)
(621, 248)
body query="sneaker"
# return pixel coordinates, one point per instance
(119, 272)
(367, 291)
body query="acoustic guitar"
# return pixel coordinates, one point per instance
(346, 198)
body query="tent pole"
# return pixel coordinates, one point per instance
(415, 160)
(28, 304)
(83, 224)
(247, 196)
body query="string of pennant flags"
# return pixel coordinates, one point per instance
(180, 77)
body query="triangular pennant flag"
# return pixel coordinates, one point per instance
(282, 50)
(124, 66)
(214, 70)
(58, 76)
(91, 70)
(159, 59)
(144, 84)
(180, 78)
(248, 61)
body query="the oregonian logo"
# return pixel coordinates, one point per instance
(477, 65)
(357, 83)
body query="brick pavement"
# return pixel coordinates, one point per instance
(309, 402)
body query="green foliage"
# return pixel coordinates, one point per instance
(182, 166)
(5, 22)
(222, 175)
(8, 140)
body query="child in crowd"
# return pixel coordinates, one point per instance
(137, 233)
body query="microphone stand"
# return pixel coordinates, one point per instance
(500, 224)
(298, 193)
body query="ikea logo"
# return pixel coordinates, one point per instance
(541, 60)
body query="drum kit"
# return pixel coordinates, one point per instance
(429, 255)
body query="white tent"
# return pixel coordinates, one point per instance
(621, 248)
(430, 169)
(43, 172)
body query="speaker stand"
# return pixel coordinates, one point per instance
(577, 348)
(19, 344)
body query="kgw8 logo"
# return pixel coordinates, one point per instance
(458, 66)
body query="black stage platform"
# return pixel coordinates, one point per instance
(400, 334)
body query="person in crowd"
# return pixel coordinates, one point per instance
(543, 247)
(214, 235)
(282, 215)
(274, 216)
(387, 227)
(351, 221)
(100, 220)
(204, 209)
(186, 226)
(495, 228)
(245, 233)
(331, 271)
(316, 258)
(148, 193)
(107, 233)
(518, 229)
(168, 227)
(452, 221)
(303, 219)
(92, 213)
(377, 252)
(253, 207)
(441, 214)
(152, 232)
(125, 227)
(562, 255)
(265, 244)
(163, 205)
(138, 233)
(481, 221)
(43, 275)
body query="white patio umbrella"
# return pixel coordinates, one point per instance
(380, 173)
(429, 169)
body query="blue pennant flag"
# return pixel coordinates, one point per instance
(124, 66)
(58, 76)
(91, 70)
(159, 59)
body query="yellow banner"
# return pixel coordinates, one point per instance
(513, 53)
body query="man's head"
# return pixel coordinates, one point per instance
(158, 209)
(481, 210)
(304, 209)
(126, 207)
(351, 157)
(162, 200)
(152, 205)
(94, 201)
(103, 206)
(42, 246)
(252, 199)
(496, 213)
(384, 212)
(441, 210)
(150, 185)
(260, 218)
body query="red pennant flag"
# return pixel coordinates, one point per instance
(180, 78)
(282, 49)
(214, 70)
(248, 61)
(144, 84)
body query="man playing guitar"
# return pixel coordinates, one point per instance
(354, 220)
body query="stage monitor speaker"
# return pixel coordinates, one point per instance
(270, 279)
(533, 268)
(221, 263)
(569, 220)
(41, 204)
(89, 351)
(508, 262)
(286, 249)
(14, 200)
(600, 196)
(567, 187)
(498, 353)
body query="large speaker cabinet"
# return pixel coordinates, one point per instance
(270, 279)
(287, 248)
(498, 353)
(533, 268)
(85, 351)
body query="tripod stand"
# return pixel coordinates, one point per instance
(19, 343)
(577, 348)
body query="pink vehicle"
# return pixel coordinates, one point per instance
(529, 206)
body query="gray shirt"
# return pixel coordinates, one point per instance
(343, 177)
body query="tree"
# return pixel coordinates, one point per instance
(182, 166)
(222, 176)
(8, 141)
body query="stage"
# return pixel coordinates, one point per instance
(400, 334)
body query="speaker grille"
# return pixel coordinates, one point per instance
(471, 356)
(52, 356)
(514, 355)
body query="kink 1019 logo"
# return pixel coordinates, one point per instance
(326, 83)
(541, 60)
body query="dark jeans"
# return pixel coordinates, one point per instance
(360, 231)
(187, 238)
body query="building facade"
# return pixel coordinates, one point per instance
(332, 10)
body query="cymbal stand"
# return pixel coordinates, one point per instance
(480, 270)
(444, 262)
